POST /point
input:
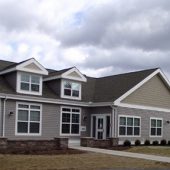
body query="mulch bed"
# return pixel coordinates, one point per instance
(41, 152)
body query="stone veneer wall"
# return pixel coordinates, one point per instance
(57, 143)
(91, 142)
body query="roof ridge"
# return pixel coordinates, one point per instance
(131, 72)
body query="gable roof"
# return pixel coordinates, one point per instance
(66, 74)
(11, 66)
(57, 72)
(104, 89)
(110, 88)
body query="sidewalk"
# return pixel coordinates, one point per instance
(125, 154)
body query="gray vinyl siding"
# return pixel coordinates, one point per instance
(11, 78)
(55, 85)
(50, 121)
(153, 93)
(145, 123)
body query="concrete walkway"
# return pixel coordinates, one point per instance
(124, 154)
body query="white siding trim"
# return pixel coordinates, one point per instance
(143, 107)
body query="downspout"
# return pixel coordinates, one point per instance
(4, 113)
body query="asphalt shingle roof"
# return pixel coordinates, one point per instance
(104, 89)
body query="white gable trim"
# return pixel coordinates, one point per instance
(21, 66)
(66, 76)
(158, 71)
(134, 106)
(42, 71)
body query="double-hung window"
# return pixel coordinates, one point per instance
(156, 127)
(70, 121)
(129, 126)
(28, 120)
(29, 83)
(71, 89)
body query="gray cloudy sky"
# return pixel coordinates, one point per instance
(100, 37)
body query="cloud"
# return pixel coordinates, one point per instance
(100, 37)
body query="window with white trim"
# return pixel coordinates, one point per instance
(129, 126)
(156, 127)
(28, 119)
(29, 83)
(71, 89)
(70, 121)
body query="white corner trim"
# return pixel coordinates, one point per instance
(143, 107)
(158, 71)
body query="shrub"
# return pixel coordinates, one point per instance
(163, 142)
(127, 143)
(168, 142)
(147, 142)
(155, 143)
(137, 142)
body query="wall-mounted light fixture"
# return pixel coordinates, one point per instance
(84, 118)
(168, 121)
(11, 113)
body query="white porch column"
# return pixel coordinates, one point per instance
(114, 122)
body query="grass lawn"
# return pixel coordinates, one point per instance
(153, 150)
(90, 161)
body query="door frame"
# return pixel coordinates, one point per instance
(100, 115)
(104, 126)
